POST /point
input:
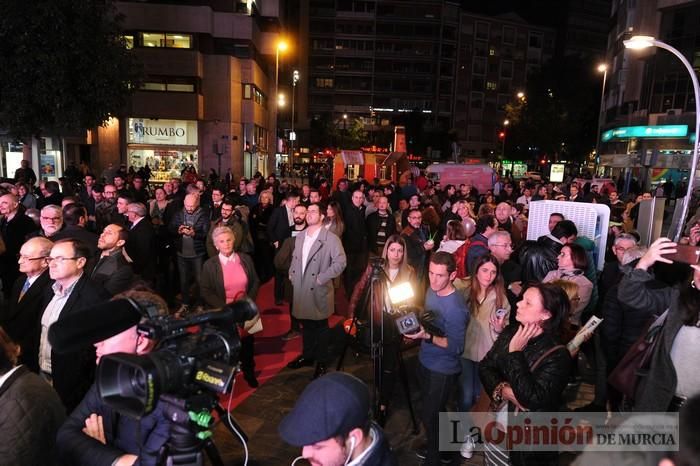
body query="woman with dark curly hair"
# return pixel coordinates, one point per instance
(507, 372)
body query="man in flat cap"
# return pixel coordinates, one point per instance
(330, 421)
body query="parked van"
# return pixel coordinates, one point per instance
(481, 176)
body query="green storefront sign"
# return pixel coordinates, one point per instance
(659, 131)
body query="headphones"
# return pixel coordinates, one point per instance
(352, 448)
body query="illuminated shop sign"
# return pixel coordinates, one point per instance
(163, 132)
(659, 131)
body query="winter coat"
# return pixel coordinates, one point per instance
(201, 228)
(657, 386)
(540, 390)
(314, 295)
(211, 280)
(31, 415)
(124, 434)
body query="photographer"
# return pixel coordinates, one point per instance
(440, 356)
(95, 434)
(397, 271)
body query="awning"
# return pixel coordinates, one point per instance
(353, 157)
(392, 158)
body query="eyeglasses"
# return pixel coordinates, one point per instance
(21, 257)
(52, 219)
(60, 260)
(415, 218)
(505, 245)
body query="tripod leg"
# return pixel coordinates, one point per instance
(213, 453)
(407, 390)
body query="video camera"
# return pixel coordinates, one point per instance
(193, 356)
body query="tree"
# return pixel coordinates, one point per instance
(65, 66)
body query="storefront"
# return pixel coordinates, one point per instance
(167, 147)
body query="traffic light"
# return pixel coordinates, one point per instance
(502, 135)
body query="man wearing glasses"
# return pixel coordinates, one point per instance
(15, 227)
(72, 290)
(501, 247)
(27, 297)
(106, 208)
(51, 220)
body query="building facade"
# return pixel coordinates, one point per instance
(648, 113)
(206, 97)
(496, 54)
(375, 60)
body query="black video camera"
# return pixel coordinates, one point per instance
(193, 355)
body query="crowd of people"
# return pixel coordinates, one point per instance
(500, 305)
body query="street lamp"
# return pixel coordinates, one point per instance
(643, 42)
(292, 134)
(504, 133)
(281, 47)
(602, 68)
(345, 127)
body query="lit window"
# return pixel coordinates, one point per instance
(247, 94)
(158, 39)
(490, 85)
(153, 40)
(128, 41)
(180, 87)
(153, 86)
(178, 41)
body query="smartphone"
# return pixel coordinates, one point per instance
(500, 313)
(685, 254)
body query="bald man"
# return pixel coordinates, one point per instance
(189, 226)
(27, 296)
(15, 228)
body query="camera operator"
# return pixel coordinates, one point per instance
(440, 356)
(330, 421)
(95, 434)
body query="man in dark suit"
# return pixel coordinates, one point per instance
(112, 272)
(27, 297)
(75, 219)
(355, 240)
(15, 227)
(70, 373)
(278, 229)
(141, 244)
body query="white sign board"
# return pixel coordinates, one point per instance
(556, 173)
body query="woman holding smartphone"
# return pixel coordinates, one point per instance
(490, 310)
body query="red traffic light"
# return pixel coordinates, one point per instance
(501, 135)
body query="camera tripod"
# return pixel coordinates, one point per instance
(379, 315)
(189, 434)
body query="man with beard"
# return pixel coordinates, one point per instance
(51, 220)
(229, 218)
(506, 223)
(283, 260)
(330, 422)
(112, 271)
(189, 226)
(106, 209)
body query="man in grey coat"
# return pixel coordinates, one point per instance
(318, 258)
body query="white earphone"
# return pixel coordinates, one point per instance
(352, 448)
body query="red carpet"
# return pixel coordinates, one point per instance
(271, 352)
